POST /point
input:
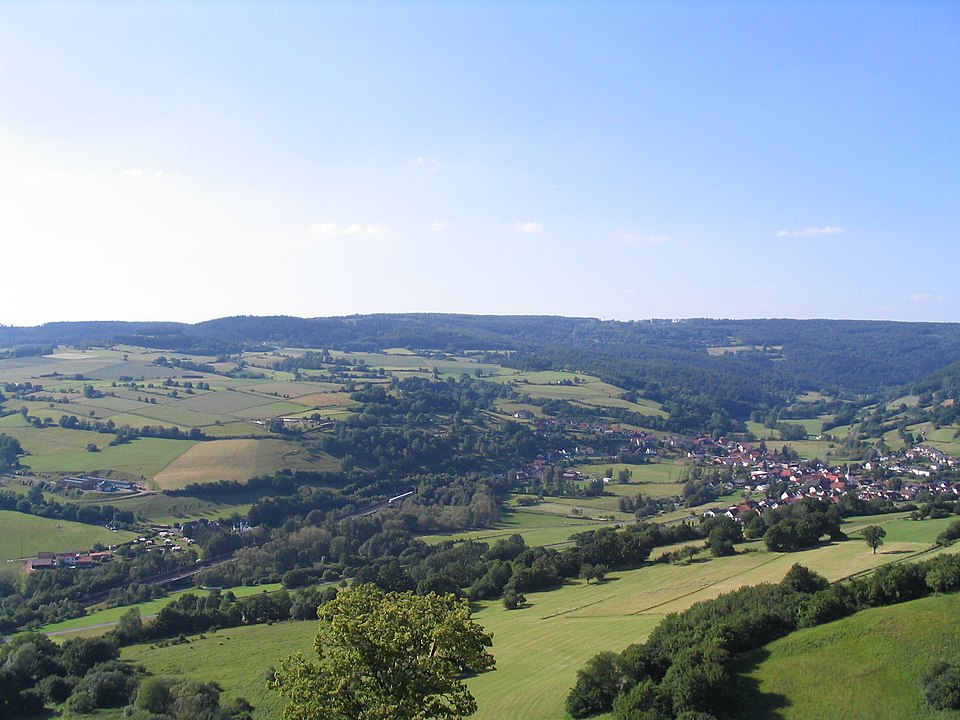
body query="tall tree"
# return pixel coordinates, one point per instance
(387, 656)
(873, 535)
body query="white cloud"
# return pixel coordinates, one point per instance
(167, 175)
(354, 229)
(926, 298)
(642, 238)
(428, 163)
(439, 226)
(530, 227)
(134, 173)
(811, 232)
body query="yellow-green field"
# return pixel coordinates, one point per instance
(210, 462)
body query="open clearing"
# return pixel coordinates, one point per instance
(23, 535)
(867, 666)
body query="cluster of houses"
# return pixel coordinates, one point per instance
(46, 560)
(99, 484)
(165, 539)
(914, 473)
(920, 469)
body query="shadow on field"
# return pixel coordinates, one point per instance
(752, 703)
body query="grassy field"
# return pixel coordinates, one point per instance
(576, 387)
(170, 509)
(142, 458)
(864, 667)
(536, 525)
(540, 647)
(23, 535)
(147, 609)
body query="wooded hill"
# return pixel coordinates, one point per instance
(697, 367)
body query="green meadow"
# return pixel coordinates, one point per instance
(865, 667)
(141, 458)
(536, 525)
(170, 509)
(24, 535)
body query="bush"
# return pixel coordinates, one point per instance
(941, 686)
(55, 689)
(951, 534)
(512, 600)
(598, 684)
(81, 703)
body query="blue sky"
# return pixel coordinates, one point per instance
(624, 160)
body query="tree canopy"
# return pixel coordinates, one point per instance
(874, 535)
(387, 656)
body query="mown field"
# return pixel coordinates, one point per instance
(540, 647)
(865, 667)
(237, 459)
(537, 525)
(25, 535)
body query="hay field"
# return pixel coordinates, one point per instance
(210, 462)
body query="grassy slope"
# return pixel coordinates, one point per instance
(152, 607)
(539, 648)
(866, 666)
(33, 534)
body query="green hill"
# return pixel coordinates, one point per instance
(866, 666)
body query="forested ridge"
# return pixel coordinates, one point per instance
(725, 366)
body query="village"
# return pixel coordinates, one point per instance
(767, 478)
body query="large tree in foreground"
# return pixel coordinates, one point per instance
(387, 656)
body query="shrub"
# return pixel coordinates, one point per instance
(941, 686)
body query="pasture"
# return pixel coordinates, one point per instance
(82, 625)
(23, 535)
(536, 525)
(875, 660)
(577, 388)
(169, 509)
(139, 459)
(540, 647)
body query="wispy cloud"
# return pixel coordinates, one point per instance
(926, 298)
(811, 231)
(438, 226)
(529, 227)
(159, 175)
(633, 238)
(428, 163)
(329, 229)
